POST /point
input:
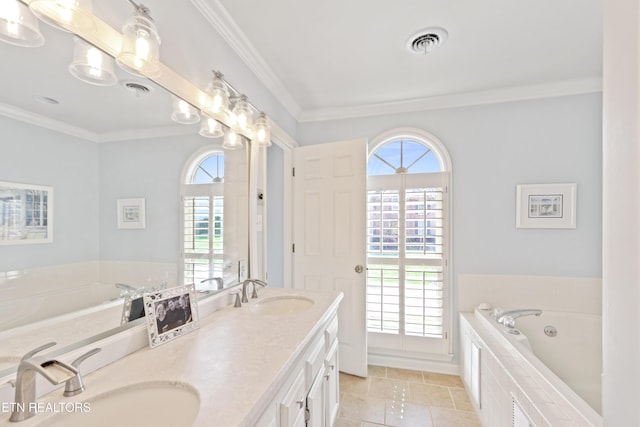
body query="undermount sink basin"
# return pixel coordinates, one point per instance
(282, 305)
(156, 404)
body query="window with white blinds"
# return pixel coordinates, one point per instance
(405, 259)
(203, 237)
(203, 218)
(408, 298)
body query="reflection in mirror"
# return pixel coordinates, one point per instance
(65, 290)
(26, 213)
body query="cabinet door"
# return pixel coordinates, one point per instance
(316, 402)
(332, 390)
(292, 407)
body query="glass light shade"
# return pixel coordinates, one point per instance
(64, 14)
(91, 65)
(232, 141)
(262, 130)
(218, 95)
(242, 115)
(18, 26)
(183, 112)
(140, 52)
(210, 128)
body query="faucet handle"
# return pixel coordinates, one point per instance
(30, 354)
(238, 302)
(75, 385)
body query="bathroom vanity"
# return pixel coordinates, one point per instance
(271, 362)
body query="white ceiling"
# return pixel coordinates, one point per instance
(325, 59)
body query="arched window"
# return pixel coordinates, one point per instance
(408, 243)
(203, 219)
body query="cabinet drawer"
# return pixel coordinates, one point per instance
(331, 333)
(314, 361)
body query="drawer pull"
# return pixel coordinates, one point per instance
(300, 403)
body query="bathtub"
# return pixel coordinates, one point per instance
(547, 380)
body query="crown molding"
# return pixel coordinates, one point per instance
(546, 90)
(16, 113)
(216, 14)
(46, 122)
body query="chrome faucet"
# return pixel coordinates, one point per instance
(255, 291)
(125, 287)
(218, 281)
(506, 318)
(75, 385)
(53, 370)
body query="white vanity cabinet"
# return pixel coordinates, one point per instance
(309, 397)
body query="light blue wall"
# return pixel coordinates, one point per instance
(32, 155)
(493, 148)
(149, 169)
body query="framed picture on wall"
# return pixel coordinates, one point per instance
(131, 213)
(26, 213)
(546, 205)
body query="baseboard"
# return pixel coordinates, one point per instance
(401, 362)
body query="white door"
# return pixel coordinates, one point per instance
(330, 236)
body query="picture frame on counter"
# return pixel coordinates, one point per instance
(170, 313)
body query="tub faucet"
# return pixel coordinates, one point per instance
(125, 287)
(75, 385)
(255, 291)
(510, 315)
(218, 281)
(53, 370)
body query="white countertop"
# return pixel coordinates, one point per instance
(236, 361)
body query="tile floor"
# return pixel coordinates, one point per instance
(404, 398)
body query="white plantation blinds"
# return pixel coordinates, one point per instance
(405, 277)
(203, 216)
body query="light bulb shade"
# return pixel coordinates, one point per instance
(242, 115)
(232, 141)
(64, 14)
(18, 26)
(210, 128)
(140, 52)
(183, 112)
(262, 131)
(218, 102)
(91, 65)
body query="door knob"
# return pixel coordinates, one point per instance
(359, 268)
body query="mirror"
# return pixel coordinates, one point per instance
(94, 146)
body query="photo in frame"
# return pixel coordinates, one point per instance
(170, 313)
(131, 213)
(546, 205)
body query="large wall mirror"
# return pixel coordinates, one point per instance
(93, 146)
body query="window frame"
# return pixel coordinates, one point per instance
(406, 345)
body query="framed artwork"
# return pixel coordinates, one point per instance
(170, 313)
(26, 213)
(131, 213)
(546, 206)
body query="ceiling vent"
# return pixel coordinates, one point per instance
(137, 88)
(426, 40)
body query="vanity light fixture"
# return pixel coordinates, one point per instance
(218, 102)
(66, 15)
(140, 51)
(183, 112)
(232, 141)
(210, 128)
(91, 65)
(263, 130)
(18, 26)
(242, 116)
